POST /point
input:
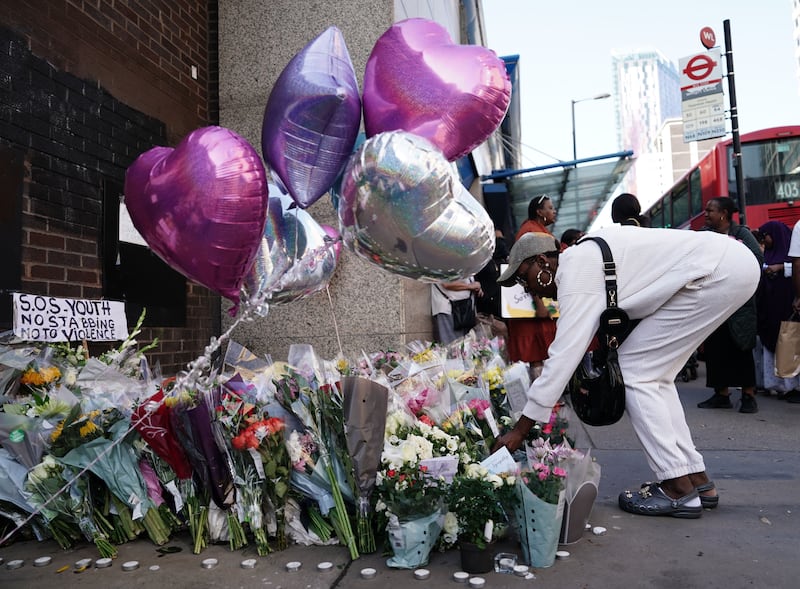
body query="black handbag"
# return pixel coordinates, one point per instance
(464, 315)
(597, 391)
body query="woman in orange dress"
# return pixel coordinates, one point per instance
(528, 339)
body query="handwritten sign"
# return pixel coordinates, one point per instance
(500, 462)
(50, 319)
(444, 467)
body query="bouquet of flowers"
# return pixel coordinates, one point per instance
(264, 441)
(474, 425)
(541, 503)
(555, 430)
(365, 403)
(417, 462)
(63, 501)
(412, 504)
(383, 361)
(309, 478)
(192, 421)
(312, 405)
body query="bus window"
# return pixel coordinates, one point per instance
(680, 204)
(668, 211)
(695, 193)
(771, 171)
(657, 216)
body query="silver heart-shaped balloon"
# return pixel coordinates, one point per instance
(403, 208)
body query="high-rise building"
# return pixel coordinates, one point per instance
(796, 36)
(647, 93)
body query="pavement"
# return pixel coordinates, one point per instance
(751, 540)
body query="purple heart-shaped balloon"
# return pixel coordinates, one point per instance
(201, 206)
(418, 80)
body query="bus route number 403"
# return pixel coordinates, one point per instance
(787, 190)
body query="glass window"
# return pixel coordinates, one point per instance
(680, 204)
(657, 216)
(771, 171)
(695, 194)
(668, 211)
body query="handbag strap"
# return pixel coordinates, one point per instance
(609, 269)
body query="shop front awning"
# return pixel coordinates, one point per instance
(579, 189)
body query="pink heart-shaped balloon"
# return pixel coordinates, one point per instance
(201, 206)
(418, 80)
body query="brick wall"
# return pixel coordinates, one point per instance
(85, 87)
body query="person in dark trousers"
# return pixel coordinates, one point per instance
(728, 351)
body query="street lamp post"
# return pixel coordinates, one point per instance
(575, 155)
(574, 102)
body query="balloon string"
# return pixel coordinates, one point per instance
(335, 323)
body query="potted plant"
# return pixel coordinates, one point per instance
(479, 500)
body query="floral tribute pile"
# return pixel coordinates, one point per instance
(366, 452)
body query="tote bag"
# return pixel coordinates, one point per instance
(787, 349)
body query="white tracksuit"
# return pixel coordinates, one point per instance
(682, 285)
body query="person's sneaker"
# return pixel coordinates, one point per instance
(749, 404)
(716, 401)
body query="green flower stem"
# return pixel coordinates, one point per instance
(339, 517)
(318, 524)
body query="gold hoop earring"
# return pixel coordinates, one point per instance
(539, 278)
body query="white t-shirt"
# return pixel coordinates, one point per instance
(441, 297)
(794, 244)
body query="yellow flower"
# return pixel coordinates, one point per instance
(51, 373)
(57, 431)
(87, 428)
(32, 377)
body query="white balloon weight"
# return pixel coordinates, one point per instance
(403, 208)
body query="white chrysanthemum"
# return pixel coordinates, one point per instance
(476, 471)
(496, 481)
(408, 452)
(450, 528)
(71, 377)
(293, 447)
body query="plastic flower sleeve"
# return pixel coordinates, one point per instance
(413, 539)
(12, 481)
(25, 438)
(365, 407)
(116, 464)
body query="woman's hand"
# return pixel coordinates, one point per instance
(514, 439)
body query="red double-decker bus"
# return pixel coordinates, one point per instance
(771, 165)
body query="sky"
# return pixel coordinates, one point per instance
(565, 53)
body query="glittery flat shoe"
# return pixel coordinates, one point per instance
(651, 500)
